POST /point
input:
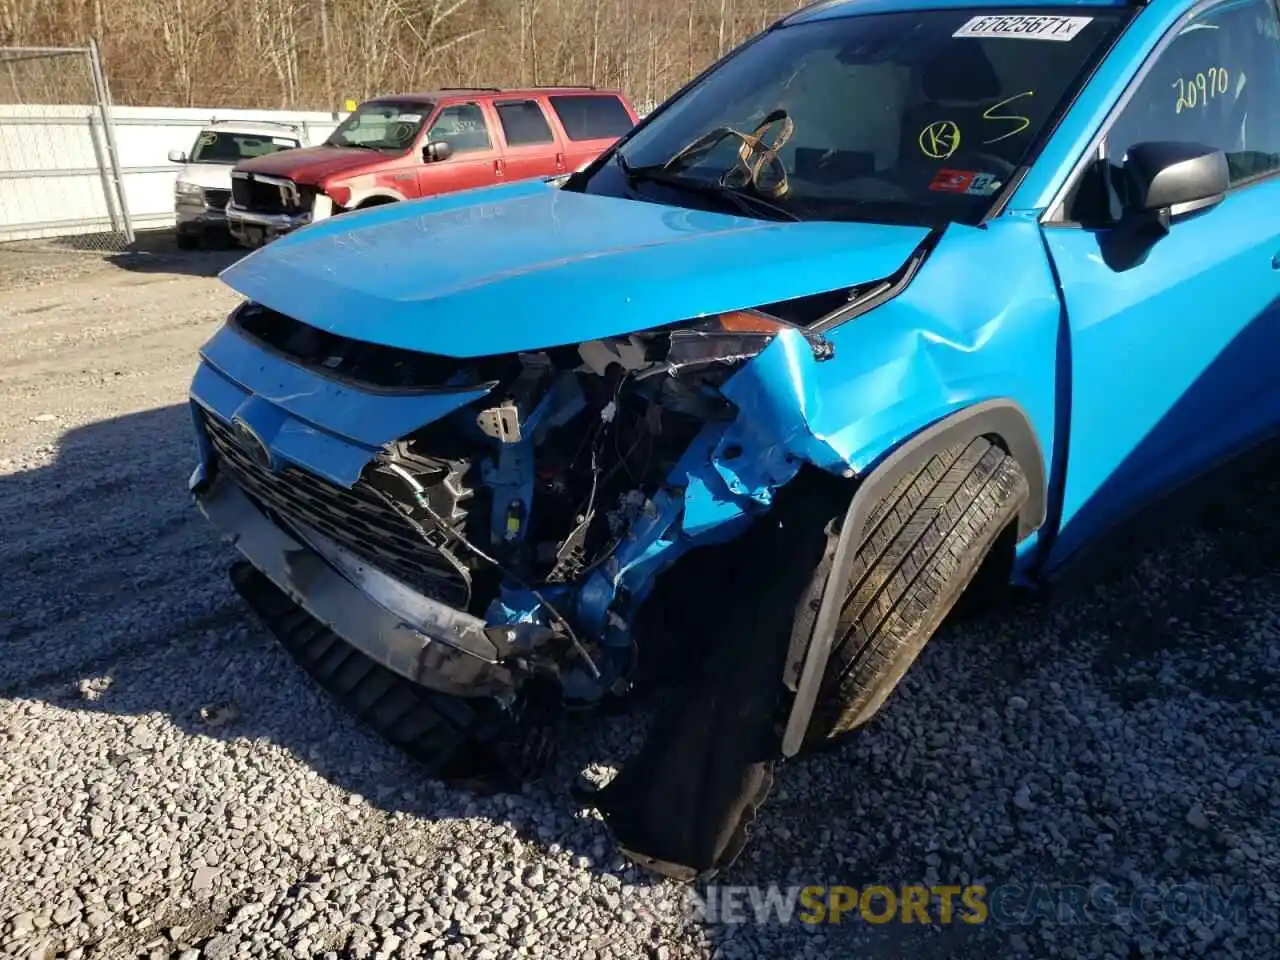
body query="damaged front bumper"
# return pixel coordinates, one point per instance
(465, 552)
(418, 638)
(252, 228)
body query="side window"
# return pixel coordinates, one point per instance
(462, 126)
(593, 117)
(1217, 84)
(523, 123)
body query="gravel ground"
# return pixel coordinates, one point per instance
(172, 786)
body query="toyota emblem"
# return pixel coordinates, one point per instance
(252, 444)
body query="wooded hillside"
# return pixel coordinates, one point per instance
(316, 53)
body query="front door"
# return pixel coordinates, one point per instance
(474, 159)
(1174, 358)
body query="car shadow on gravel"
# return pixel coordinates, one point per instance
(156, 251)
(125, 610)
(152, 252)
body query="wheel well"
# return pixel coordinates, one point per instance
(1005, 424)
(374, 202)
(1002, 421)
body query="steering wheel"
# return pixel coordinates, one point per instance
(744, 171)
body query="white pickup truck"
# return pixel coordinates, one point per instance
(203, 185)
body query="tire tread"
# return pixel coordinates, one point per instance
(924, 543)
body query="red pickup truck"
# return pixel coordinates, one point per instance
(422, 144)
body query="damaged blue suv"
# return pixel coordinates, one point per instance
(896, 298)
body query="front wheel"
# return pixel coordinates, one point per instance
(922, 546)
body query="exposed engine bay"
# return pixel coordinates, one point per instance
(551, 502)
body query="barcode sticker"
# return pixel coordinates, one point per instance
(1024, 27)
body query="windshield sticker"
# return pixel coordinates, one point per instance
(407, 118)
(952, 181)
(970, 182)
(1018, 121)
(984, 185)
(939, 140)
(1197, 91)
(1024, 27)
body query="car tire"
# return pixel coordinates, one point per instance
(682, 806)
(470, 742)
(923, 545)
(188, 241)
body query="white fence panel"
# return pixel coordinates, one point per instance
(54, 184)
(53, 170)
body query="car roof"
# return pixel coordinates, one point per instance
(458, 93)
(258, 129)
(839, 9)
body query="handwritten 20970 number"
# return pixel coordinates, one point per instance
(1198, 90)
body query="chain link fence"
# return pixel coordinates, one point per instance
(60, 173)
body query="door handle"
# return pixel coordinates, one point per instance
(559, 161)
(500, 167)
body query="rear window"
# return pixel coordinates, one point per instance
(523, 123)
(592, 117)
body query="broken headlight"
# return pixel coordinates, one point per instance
(725, 338)
(722, 339)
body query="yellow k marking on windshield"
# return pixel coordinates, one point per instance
(939, 140)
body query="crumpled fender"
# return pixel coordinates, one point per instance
(911, 362)
(944, 344)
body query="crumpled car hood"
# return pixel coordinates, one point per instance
(527, 266)
(215, 176)
(312, 164)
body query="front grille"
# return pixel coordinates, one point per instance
(264, 196)
(217, 199)
(241, 192)
(357, 519)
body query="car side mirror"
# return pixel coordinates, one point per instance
(436, 151)
(177, 156)
(1169, 179)
(1163, 180)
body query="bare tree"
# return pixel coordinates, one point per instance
(186, 31)
(316, 53)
